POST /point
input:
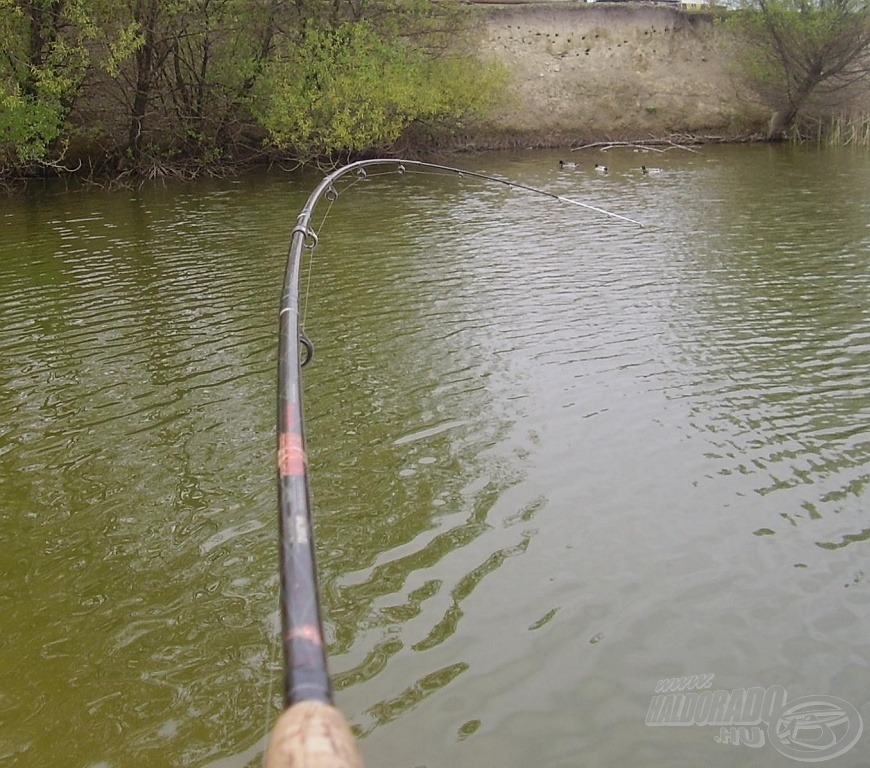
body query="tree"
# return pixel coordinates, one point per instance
(803, 49)
(348, 89)
(42, 69)
(185, 75)
(166, 86)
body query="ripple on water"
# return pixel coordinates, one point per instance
(554, 460)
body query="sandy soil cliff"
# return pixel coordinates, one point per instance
(581, 72)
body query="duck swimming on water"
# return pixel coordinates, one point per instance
(644, 169)
(563, 164)
(602, 168)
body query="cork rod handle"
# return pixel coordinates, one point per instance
(312, 734)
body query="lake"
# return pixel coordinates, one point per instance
(557, 459)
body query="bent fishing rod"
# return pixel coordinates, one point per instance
(311, 732)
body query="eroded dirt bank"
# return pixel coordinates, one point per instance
(587, 72)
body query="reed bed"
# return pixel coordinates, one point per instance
(837, 131)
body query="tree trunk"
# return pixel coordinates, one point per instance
(145, 56)
(781, 123)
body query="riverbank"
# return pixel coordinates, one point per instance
(591, 72)
(572, 73)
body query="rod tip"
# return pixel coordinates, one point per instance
(312, 734)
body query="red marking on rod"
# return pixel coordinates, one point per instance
(291, 452)
(291, 455)
(291, 419)
(307, 632)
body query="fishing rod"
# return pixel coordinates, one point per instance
(311, 732)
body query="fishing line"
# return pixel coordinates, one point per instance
(517, 185)
(417, 168)
(271, 663)
(309, 717)
(306, 675)
(312, 248)
(421, 168)
(331, 195)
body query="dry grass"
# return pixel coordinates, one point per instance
(837, 131)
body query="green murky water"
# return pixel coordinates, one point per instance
(556, 458)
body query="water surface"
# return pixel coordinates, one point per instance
(556, 457)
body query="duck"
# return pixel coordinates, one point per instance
(563, 164)
(644, 169)
(602, 168)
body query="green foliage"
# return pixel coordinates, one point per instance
(348, 89)
(122, 48)
(757, 62)
(172, 82)
(27, 127)
(42, 71)
(797, 49)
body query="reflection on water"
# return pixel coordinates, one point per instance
(555, 457)
(786, 351)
